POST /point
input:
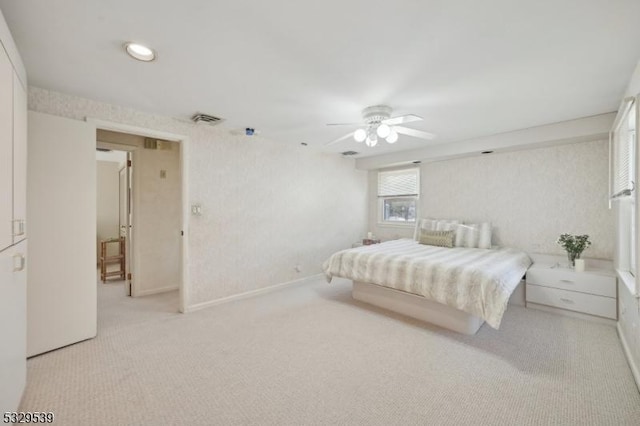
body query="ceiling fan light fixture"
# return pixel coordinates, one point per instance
(140, 52)
(383, 130)
(372, 140)
(360, 135)
(393, 137)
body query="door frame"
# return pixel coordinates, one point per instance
(126, 201)
(184, 285)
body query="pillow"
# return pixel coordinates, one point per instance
(428, 224)
(474, 235)
(437, 238)
(446, 225)
(484, 239)
(434, 225)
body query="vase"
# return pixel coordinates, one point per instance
(572, 258)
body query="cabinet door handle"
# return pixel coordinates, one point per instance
(18, 262)
(566, 281)
(567, 300)
(19, 224)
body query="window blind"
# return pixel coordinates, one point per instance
(398, 183)
(623, 154)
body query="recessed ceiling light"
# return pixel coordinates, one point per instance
(140, 52)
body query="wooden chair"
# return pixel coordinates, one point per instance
(105, 259)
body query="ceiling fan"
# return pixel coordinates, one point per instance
(378, 124)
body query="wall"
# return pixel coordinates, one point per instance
(107, 204)
(267, 206)
(530, 196)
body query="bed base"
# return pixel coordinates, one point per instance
(418, 307)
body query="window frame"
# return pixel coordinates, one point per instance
(382, 198)
(626, 202)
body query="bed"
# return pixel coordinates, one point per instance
(457, 288)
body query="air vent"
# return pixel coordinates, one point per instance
(347, 153)
(204, 118)
(150, 143)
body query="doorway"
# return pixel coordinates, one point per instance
(113, 213)
(148, 213)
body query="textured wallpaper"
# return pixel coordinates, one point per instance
(267, 206)
(107, 202)
(530, 196)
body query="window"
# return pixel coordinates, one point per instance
(398, 192)
(623, 194)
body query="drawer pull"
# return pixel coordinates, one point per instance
(18, 263)
(567, 300)
(566, 281)
(18, 227)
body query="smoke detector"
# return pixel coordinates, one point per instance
(247, 131)
(205, 118)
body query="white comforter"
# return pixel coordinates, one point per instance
(476, 281)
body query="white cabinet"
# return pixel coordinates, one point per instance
(6, 150)
(19, 160)
(13, 154)
(13, 366)
(592, 292)
(13, 244)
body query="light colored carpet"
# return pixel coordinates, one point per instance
(309, 354)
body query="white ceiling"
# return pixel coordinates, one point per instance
(470, 68)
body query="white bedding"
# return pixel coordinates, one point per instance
(476, 281)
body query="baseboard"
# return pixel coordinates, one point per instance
(154, 291)
(251, 293)
(627, 352)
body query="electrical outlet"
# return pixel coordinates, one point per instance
(298, 268)
(196, 209)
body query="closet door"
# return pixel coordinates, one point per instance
(19, 160)
(6, 150)
(13, 326)
(61, 198)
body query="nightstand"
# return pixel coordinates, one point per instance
(589, 294)
(369, 241)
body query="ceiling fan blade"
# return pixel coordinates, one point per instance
(343, 124)
(340, 139)
(413, 132)
(409, 118)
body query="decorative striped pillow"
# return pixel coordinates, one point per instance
(434, 225)
(437, 238)
(474, 235)
(484, 239)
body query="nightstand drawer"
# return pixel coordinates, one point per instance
(568, 279)
(573, 301)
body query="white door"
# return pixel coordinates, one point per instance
(13, 355)
(61, 213)
(6, 150)
(19, 160)
(125, 219)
